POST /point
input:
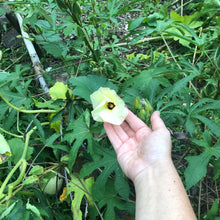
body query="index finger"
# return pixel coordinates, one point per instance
(134, 122)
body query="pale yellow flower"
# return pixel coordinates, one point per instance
(108, 106)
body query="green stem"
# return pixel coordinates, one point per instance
(139, 41)
(7, 132)
(27, 111)
(19, 179)
(9, 177)
(23, 168)
(28, 138)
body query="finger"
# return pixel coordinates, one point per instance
(156, 121)
(127, 129)
(134, 122)
(120, 133)
(112, 135)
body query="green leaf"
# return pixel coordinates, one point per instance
(109, 202)
(17, 148)
(2, 11)
(79, 132)
(30, 180)
(57, 49)
(109, 164)
(190, 20)
(144, 78)
(190, 125)
(36, 170)
(197, 168)
(121, 185)
(182, 82)
(58, 91)
(216, 150)
(135, 23)
(49, 141)
(7, 211)
(86, 85)
(214, 127)
(33, 209)
(39, 127)
(211, 214)
(212, 4)
(3, 76)
(47, 104)
(80, 188)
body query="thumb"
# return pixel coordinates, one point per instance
(156, 122)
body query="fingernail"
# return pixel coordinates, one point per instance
(158, 113)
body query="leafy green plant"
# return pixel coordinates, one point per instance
(154, 55)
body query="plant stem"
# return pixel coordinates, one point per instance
(9, 177)
(27, 111)
(15, 135)
(19, 179)
(23, 168)
(139, 42)
(28, 138)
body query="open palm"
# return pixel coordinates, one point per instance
(139, 147)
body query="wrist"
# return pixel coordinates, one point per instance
(153, 172)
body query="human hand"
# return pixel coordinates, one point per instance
(139, 147)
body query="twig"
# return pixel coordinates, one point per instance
(80, 63)
(199, 205)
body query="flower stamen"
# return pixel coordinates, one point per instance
(110, 105)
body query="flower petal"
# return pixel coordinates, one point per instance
(108, 106)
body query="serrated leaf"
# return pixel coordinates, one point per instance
(211, 214)
(214, 127)
(190, 125)
(80, 188)
(47, 104)
(3, 76)
(39, 127)
(86, 85)
(182, 82)
(121, 185)
(216, 150)
(49, 141)
(197, 168)
(79, 132)
(109, 164)
(109, 202)
(189, 20)
(144, 78)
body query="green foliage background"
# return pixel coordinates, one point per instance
(157, 55)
